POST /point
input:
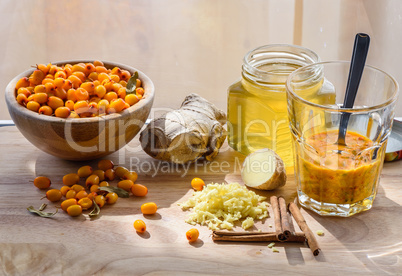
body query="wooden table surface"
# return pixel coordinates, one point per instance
(365, 244)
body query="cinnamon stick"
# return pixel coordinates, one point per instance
(284, 217)
(254, 236)
(311, 240)
(277, 218)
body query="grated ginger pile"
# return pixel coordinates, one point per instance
(221, 205)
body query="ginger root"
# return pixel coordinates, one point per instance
(263, 170)
(186, 134)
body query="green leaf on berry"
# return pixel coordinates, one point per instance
(95, 211)
(119, 191)
(40, 212)
(132, 84)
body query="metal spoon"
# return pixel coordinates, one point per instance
(360, 50)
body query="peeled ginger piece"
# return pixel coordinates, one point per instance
(263, 170)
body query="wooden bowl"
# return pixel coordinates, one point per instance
(81, 138)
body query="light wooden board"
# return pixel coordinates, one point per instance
(368, 243)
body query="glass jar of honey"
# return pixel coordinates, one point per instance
(257, 109)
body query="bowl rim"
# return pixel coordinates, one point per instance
(149, 92)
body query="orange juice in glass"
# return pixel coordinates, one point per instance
(334, 179)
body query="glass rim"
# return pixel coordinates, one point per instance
(247, 56)
(392, 99)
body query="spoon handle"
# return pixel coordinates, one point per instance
(359, 55)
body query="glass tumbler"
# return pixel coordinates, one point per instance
(334, 178)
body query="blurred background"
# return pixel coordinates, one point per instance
(193, 46)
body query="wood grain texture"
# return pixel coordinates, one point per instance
(365, 244)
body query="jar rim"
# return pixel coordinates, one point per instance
(281, 48)
(391, 99)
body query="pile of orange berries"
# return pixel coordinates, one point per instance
(79, 198)
(76, 91)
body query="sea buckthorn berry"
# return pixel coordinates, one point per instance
(94, 99)
(74, 210)
(98, 63)
(120, 171)
(116, 71)
(103, 76)
(140, 226)
(100, 69)
(149, 208)
(73, 115)
(116, 86)
(93, 77)
(40, 89)
(45, 110)
(25, 91)
(49, 76)
(81, 94)
(53, 69)
(100, 174)
(110, 96)
(126, 105)
(139, 190)
(123, 83)
(104, 184)
(103, 105)
(36, 77)
(139, 91)
(125, 185)
(48, 80)
(108, 85)
(67, 203)
(89, 87)
(67, 85)
(114, 78)
(138, 83)
(42, 182)
(81, 194)
(94, 188)
(68, 70)
(85, 203)
(64, 190)
(40, 98)
(77, 188)
(100, 200)
(131, 176)
(75, 80)
(71, 95)
(31, 98)
(117, 105)
(100, 91)
(55, 102)
(53, 195)
(43, 68)
(61, 93)
(125, 75)
(59, 82)
(78, 68)
(93, 108)
(121, 93)
(110, 174)
(71, 194)
(197, 184)
(105, 164)
(71, 179)
(69, 104)
(131, 99)
(111, 198)
(22, 82)
(34, 106)
(192, 235)
(49, 88)
(62, 112)
(92, 195)
(89, 68)
(81, 107)
(93, 179)
(85, 171)
(60, 74)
